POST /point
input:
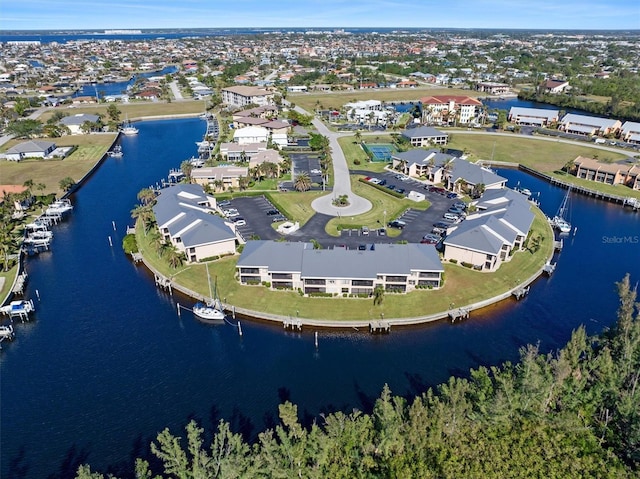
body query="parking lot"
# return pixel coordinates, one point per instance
(308, 163)
(254, 210)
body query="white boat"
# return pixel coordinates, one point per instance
(59, 207)
(116, 152)
(128, 129)
(40, 234)
(20, 308)
(559, 221)
(6, 332)
(212, 310)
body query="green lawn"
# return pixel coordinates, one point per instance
(375, 217)
(462, 286)
(90, 148)
(8, 277)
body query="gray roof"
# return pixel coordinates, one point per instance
(340, 263)
(31, 146)
(382, 259)
(508, 205)
(473, 173)
(79, 119)
(180, 206)
(421, 155)
(594, 121)
(533, 112)
(423, 132)
(475, 235)
(276, 255)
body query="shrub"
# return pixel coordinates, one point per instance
(266, 283)
(466, 265)
(454, 261)
(129, 244)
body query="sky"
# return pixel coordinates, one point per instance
(141, 14)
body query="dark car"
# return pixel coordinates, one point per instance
(452, 195)
(400, 190)
(391, 187)
(362, 247)
(455, 210)
(273, 212)
(278, 218)
(441, 224)
(397, 224)
(382, 232)
(382, 182)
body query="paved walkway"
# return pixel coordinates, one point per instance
(341, 180)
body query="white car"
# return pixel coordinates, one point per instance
(241, 223)
(451, 216)
(231, 213)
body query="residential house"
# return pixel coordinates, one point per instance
(394, 267)
(219, 177)
(240, 96)
(420, 163)
(425, 136)
(493, 88)
(450, 109)
(464, 177)
(185, 218)
(554, 86)
(250, 134)
(30, 149)
(491, 236)
(265, 156)
(75, 122)
(625, 172)
(533, 116)
(589, 125)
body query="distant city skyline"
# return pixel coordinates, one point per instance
(143, 14)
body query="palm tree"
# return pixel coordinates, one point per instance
(378, 295)
(358, 137)
(186, 167)
(174, 256)
(146, 196)
(303, 182)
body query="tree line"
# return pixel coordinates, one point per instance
(573, 413)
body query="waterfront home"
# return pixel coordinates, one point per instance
(425, 136)
(219, 177)
(276, 133)
(340, 271)
(267, 111)
(371, 105)
(533, 116)
(421, 163)
(450, 109)
(489, 237)
(464, 176)
(30, 149)
(237, 152)
(75, 122)
(266, 156)
(240, 96)
(589, 125)
(493, 88)
(625, 172)
(554, 86)
(630, 132)
(185, 219)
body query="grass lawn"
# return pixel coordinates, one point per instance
(462, 286)
(335, 99)
(375, 217)
(353, 151)
(296, 205)
(7, 278)
(90, 148)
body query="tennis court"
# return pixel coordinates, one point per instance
(380, 151)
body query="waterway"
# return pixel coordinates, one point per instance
(118, 88)
(106, 363)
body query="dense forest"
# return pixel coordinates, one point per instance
(574, 413)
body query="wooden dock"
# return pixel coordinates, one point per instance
(18, 287)
(137, 257)
(163, 282)
(379, 327)
(557, 245)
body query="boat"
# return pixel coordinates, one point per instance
(116, 152)
(559, 221)
(212, 310)
(19, 308)
(6, 332)
(59, 207)
(128, 129)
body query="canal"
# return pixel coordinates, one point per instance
(106, 363)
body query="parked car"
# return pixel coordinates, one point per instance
(452, 195)
(365, 231)
(224, 203)
(362, 247)
(273, 212)
(442, 224)
(438, 231)
(382, 182)
(430, 238)
(239, 221)
(278, 218)
(400, 190)
(455, 210)
(451, 216)
(460, 204)
(382, 232)
(231, 212)
(391, 187)
(397, 224)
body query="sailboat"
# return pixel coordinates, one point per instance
(128, 129)
(559, 221)
(211, 310)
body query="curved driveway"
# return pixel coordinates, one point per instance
(341, 179)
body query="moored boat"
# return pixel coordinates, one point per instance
(116, 152)
(128, 129)
(559, 221)
(212, 310)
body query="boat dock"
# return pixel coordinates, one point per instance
(379, 327)
(18, 286)
(549, 268)
(622, 200)
(521, 293)
(137, 257)
(163, 282)
(293, 324)
(19, 309)
(557, 245)
(458, 314)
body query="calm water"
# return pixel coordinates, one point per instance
(508, 103)
(118, 88)
(106, 363)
